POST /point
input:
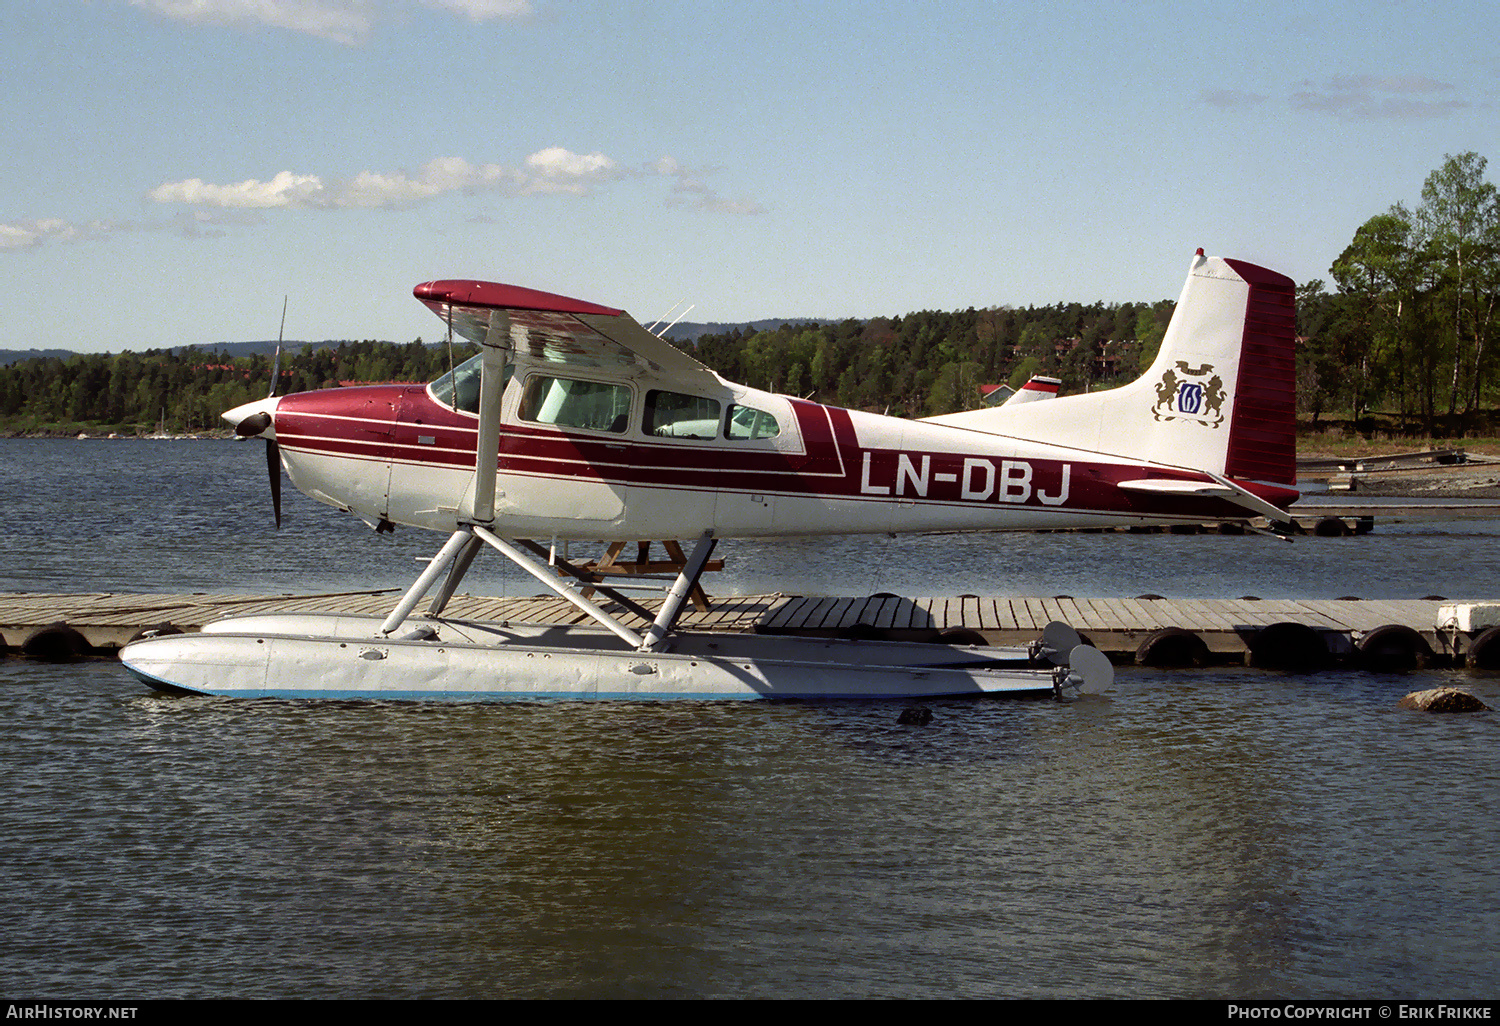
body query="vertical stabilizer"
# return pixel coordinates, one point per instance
(1219, 397)
(1039, 387)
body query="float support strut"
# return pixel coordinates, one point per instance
(414, 594)
(686, 580)
(558, 586)
(455, 574)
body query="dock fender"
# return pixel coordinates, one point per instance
(960, 636)
(1172, 647)
(1484, 651)
(1393, 648)
(1332, 527)
(1288, 646)
(55, 643)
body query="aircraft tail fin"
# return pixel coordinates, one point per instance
(1039, 387)
(1220, 396)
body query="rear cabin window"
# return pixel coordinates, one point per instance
(674, 415)
(571, 403)
(748, 422)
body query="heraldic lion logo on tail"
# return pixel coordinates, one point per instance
(1190, 393)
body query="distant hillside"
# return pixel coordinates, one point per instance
(267, 348)
(10, 356)
(685, 331)
(688, 330)
(229, 349)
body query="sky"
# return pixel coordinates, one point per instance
(173, 169)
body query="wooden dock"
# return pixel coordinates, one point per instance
(1285, 633)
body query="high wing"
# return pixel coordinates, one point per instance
(559, 329)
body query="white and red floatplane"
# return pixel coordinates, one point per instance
(575, 423)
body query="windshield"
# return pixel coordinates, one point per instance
(465, 381)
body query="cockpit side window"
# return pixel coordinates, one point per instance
(748, 422)
(573, 403)
(674, 415)
(464, 382)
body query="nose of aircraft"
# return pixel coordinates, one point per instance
(254, 420)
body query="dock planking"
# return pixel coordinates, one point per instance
(100, 623)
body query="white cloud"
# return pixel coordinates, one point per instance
(483, 10)
(339, 21)
(558, 170)
(349, 22)
(18, 235)
(553, 170)
(371, 190)
(25, 234)
(285, 190)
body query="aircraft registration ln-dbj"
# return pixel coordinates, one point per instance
(575, 423)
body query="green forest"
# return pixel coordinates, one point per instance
(1396, 339)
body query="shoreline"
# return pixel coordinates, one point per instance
(116, 436)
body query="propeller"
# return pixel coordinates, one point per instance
(256, 424)
(273, 451)
(255, 419)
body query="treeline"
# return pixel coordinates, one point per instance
(186, 391)
(927, 363)
(916, 365)
(1407, 333)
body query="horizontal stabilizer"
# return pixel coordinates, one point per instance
(1218, 488)
(1159, 486)
(1039, 387)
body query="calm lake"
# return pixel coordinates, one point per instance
(1231, 833)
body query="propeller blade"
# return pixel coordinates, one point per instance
(273, 464)
(276, 366)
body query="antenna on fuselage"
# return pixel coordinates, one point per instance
(651, 327)
(663, 333)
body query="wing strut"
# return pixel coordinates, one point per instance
(501, 339)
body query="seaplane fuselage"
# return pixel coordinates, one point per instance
(740, 463)
(602, 430)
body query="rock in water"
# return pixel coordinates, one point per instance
(1442, 700)
(915, 716)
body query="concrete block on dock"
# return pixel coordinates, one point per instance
(1469, 616)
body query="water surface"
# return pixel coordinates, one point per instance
(1232, 833)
